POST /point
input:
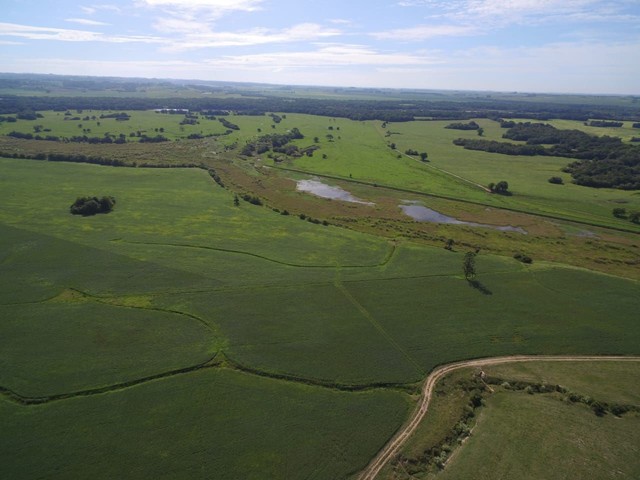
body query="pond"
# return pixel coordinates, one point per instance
(424, 214)
(323, 190)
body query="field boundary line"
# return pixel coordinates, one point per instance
(385, 455)
(31, 401)
(340, 286)
(385, 260)
(437, 169)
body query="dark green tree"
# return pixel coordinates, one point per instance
(502, 188)
(619, 212)
(469, 265)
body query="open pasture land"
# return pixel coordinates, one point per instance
(90, 123)
(545, 436)
(277, 347)
(527, 176)
(355, 151)
(520, 431)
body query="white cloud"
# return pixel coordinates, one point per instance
(91, 9)
(68, 35)
(505, 12)
(85, 21)
(213, 4)
(423, 32)
(257, 36)
(323, 57)
(579, 67)
(212, 9)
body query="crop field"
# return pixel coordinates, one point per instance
(186, 335)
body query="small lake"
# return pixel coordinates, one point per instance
(319, 189)
(424, 214)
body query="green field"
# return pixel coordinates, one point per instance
(544, 436)
(358, 151)
(516, 433)
(278, 348)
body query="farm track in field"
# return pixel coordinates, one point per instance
(385, 455)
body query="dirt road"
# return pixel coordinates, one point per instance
(394, 445)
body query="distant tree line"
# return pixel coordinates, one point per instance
(494, 146)
(122, 116)
(384, 110)
(142, 138)
(463, 126)
(601, 161)
(227, 124)
(603, 123)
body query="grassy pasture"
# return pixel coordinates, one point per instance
(531, 436)
(358, 151)
(534, 436)
(626, 132)
(527, 176)
(144, 121)
(605, 381)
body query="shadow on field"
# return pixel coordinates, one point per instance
(480, 287)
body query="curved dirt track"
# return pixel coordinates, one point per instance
(390, 449)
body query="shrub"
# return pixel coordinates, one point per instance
(523, 258)
(87, 206)
(556, 180)
(619, 212)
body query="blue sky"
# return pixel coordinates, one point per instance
(573, 46)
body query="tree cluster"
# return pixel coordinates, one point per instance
(463, 126)
(87, 206)
(494, 146)
(227, 124)
(603, 123)
(122, 116)
(278, 142)
(600, 161)
(501, 188)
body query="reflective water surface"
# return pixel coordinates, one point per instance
(323, 190)
(424, 214)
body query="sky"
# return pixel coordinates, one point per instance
(557, 46)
